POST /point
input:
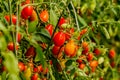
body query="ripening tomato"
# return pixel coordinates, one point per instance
(40, 68)
(70, 48)
(112, 53)
(83, 31)
(19, 37)
(21, 66)
(27, 12)
(112, 64)
(85, 50)
(49, 27)
(61, 22)
(44, 16)
(89, 56)
(33, 16)
(81, 66)
(34, 76)
(79, 61)
(30, 52)
(14, 19)
(35, 69)
(94, 63)
(96, 51)
(11, 46)
(55, 50)
(59, 39)
(84, 44)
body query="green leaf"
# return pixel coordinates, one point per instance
(105, 32)
(4, 75)
(72, 72)
(32, 26)
(68, 63)
(53, 18)
(10, 62)
(40, 56)
(81, 20)
(3, 44)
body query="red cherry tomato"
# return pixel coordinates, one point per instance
(96, 51)
(49, 27)
(14, 19)
(81, 66)
(62, 21)
(11, 46)
(27, 12)
(85, 50)
(89, 56)
(34, 77)
(19, 37)
(59, 39)
(112, 53)
(21, 66)
(35, 69)
(44, 16)
(55, 50)
(94, 63)
(30, 52)
(79, 61)
(40, 68)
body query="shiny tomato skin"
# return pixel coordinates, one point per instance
(112, 54)
(11, 46)
(62, 21)
(19, 37)
(27, 12)
(44, 16)
(70, 48)
(21, 66)
(14, 19)
(59, 39)
(49, 27)
(34, 76)
(55, 50)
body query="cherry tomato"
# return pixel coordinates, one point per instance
(112, 64)
(81, 66)
(11, 46)
(62, 21)
(49, 27)
(33, 17)
(84, 45)
(96, 51)
(89, 56)
(35, 69)
(40, 68)
(59, 39)
(55, 50)
(51, 62)
(30, 52)
(79, 61)
(34, 76)
(44, 16)
(21, 66)
(45, 71)
(14, 19)
(112, 53)
(94, 63)
(83, 31)
(85, 50)
(27, 12)
(19, 37)
(70, 48)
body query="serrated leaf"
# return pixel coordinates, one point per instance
(32, 26)
(53, 18)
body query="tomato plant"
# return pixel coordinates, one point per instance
(59, 40)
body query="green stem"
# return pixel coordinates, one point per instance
(75, 16)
